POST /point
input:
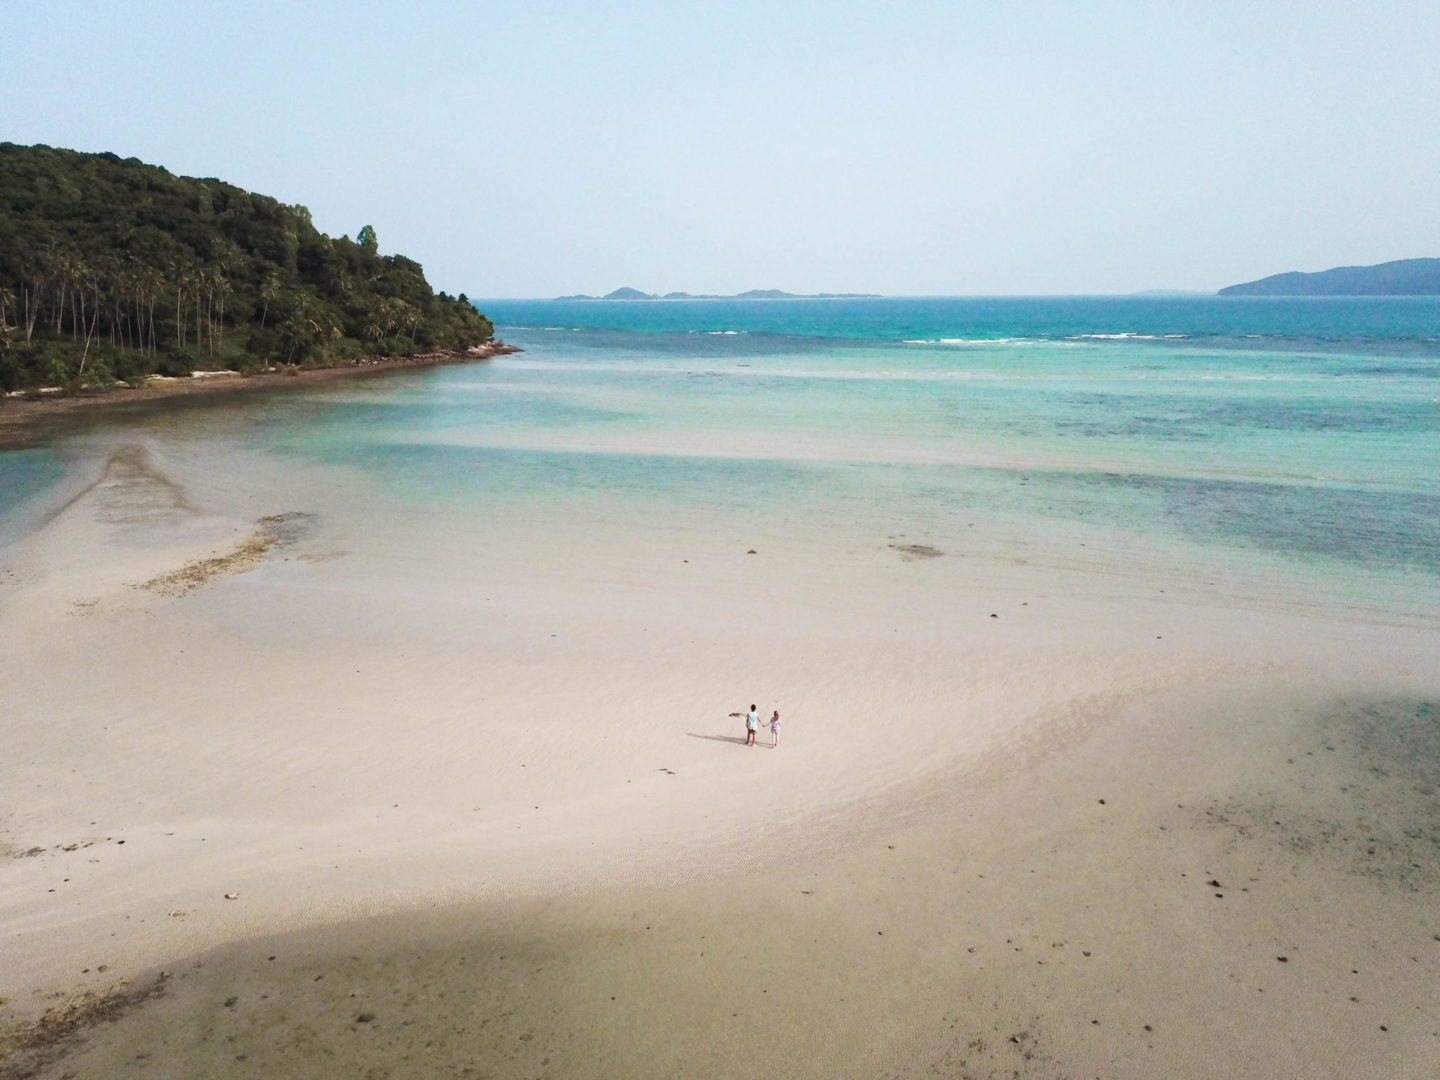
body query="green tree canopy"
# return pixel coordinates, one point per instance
(111, 268)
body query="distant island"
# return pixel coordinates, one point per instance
(753, 294)
(1404, 277)
(114, 271)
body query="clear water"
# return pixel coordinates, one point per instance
(1299, 435)
(27, 474)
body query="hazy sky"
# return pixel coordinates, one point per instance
(533, 149)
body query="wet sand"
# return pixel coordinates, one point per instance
(327, 814)
(24, 418)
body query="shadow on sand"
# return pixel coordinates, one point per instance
(738, 740)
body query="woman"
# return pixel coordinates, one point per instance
(775, 730)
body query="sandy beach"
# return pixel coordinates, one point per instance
(277, 804)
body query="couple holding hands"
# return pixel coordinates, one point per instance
(752, 725)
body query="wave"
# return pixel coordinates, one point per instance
(972, 341)
(1128, 335)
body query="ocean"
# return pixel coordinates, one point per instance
(1289, 446)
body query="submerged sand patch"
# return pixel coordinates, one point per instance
(272, 532)
(910, 552)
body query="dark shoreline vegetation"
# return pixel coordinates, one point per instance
(112, 271)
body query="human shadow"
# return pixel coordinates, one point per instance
(739, 740)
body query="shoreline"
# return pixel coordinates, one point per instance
(481, 796)
(23, 419)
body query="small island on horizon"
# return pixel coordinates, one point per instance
(627, 293)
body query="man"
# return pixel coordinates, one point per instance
(752, 725)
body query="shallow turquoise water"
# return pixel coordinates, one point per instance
(27, 474)
(1304, 431)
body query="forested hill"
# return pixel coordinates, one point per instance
(114, 269)
(1404, 277)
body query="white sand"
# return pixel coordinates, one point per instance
(354, 728)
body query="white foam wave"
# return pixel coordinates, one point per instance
(970, 341)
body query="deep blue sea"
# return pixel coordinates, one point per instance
(1296, 435)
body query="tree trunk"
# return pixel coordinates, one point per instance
(32, 307)
(89, 334)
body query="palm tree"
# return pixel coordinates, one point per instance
(301, 327)
(32, 289)
(269, 290)
(151, 282)
(61, 265)
(377, 320)
(223, 288)
(177, 275)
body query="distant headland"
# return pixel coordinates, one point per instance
(1404, 277)
(753, 294)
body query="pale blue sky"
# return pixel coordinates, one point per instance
(533, 149)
